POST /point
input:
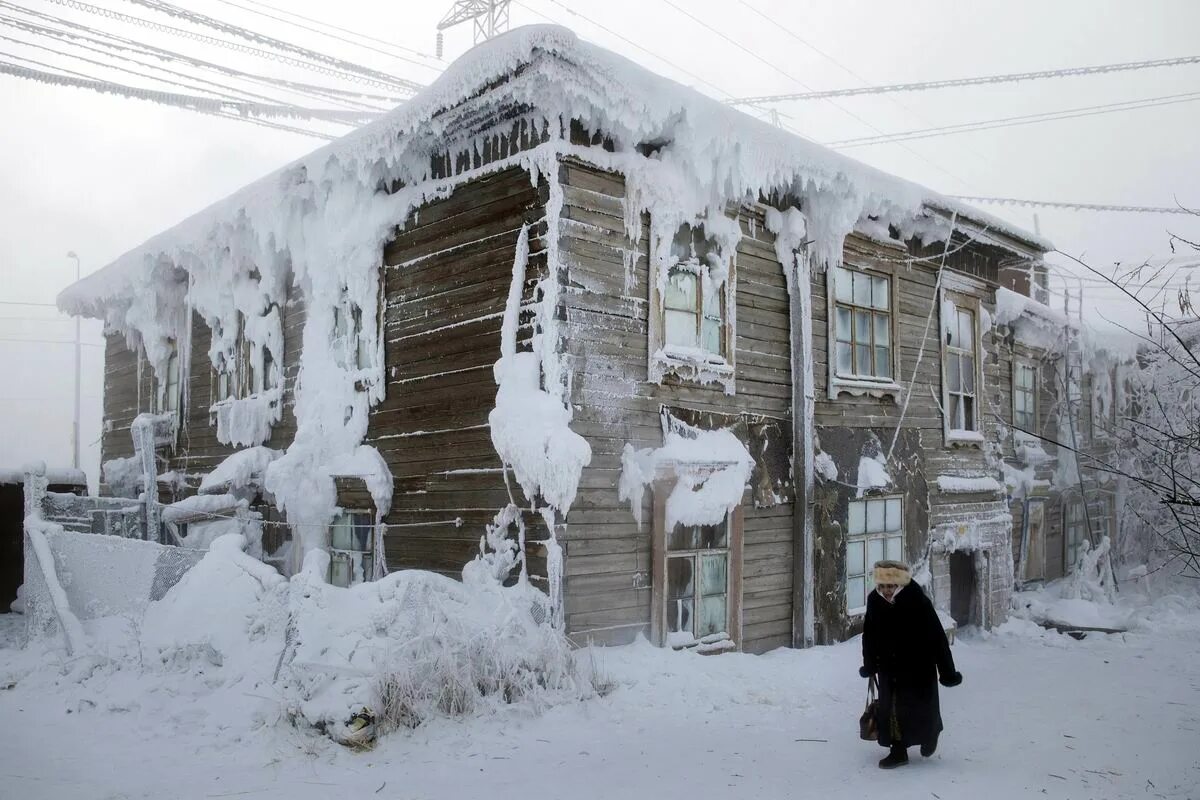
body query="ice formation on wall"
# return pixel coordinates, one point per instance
(319, 226)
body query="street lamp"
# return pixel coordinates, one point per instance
(75, 430)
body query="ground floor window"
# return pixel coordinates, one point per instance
(874, 532)
(696, 585)
(351, 548)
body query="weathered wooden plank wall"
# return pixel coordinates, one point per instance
(446, 277)
(608, 564)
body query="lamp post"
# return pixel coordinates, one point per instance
(75, 429)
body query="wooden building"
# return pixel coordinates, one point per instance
(664, 293)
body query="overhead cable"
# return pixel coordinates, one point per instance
(1012, 201)
(1011, 77)
(1008, 122)
(421, 64)
(223, 43)
(275, 44)
(210, 105)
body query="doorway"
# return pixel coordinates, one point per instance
(963, 588)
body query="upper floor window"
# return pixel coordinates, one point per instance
(1025, 397)
(960, 364)
(874, 532)
(862, 325)
(167, 396)
(693, 303)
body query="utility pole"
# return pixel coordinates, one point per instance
(490, 18)
(75, 430)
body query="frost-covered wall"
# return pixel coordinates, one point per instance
(318, 232)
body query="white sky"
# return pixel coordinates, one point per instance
(98, 174)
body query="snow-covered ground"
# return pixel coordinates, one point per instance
(1039, 714)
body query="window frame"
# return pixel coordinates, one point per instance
(359, 516)
(866, 536)
(171, 397)
(857, 385)
(682, 361)
(970, 303)
(659, 593)
(1020, 364)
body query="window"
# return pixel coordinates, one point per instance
(167, 398)
(862, 325)
(693, 303)
(1074, 532)
(697, 584)
(1025, 397)
(349, 346)
(960, 349)
(875, 532)
(351, 548)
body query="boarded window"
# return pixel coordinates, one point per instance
(875, 532)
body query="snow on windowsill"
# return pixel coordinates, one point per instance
(692, 364)
(964, 438)
(953, 484)
(247, 421)
(858, 387)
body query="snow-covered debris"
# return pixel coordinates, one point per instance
(711, 469)
(239, 470)
(825, 468)
(956, 484)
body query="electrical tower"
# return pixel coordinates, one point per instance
(490, 18)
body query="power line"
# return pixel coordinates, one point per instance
(334, 36)
(796, 80)
(212, 105)
(224, 43)
(1011, 201)
(1008, 122)
(16, 303)
(1012, 77)
(204, 105)
(273, 43)
(116, 46)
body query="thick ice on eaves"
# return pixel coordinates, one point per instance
(731, 154)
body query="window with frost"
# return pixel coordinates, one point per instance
(169, 386)
(351, 548)
(350, 349)
(862, 326)
(960, 368)
(697, 583)
(690, 306)
(1074, 532)
(874, 532)
(1025, 397)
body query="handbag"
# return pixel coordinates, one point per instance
(867, 727)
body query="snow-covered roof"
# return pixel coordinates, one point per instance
(728, 154)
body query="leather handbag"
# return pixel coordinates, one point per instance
(867, 727)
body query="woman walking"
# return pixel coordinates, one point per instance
(905, 648)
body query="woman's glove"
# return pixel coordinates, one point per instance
(866, 672)
(953, 679)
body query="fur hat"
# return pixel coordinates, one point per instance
(892, 572)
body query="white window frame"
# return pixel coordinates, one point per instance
(858, 532)
(688, 362)
(855, 384)
(358, 561)
(948, 349)
(1020, 365)
(166, 388)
